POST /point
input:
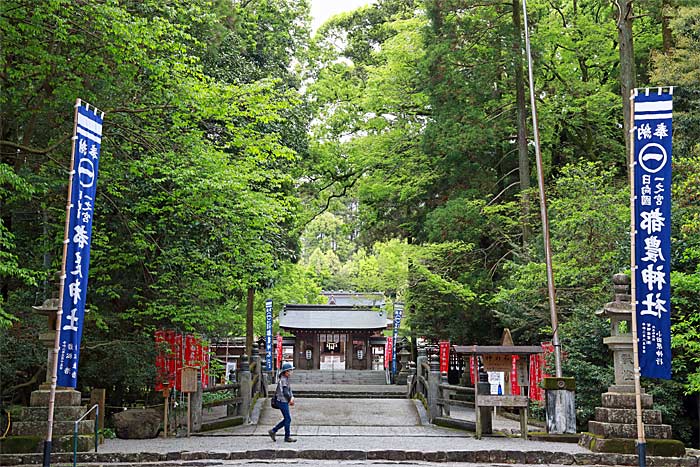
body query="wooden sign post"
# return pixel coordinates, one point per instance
(166, 402)
(189, 385)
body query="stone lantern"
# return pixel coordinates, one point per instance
(49, 308)
(614, 428)
(30, 427)
(619, 312)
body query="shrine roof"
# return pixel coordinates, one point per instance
(330, 317)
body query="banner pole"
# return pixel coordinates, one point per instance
(59, 312)
(641, 440)
(543, 204)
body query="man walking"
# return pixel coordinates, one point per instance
(284, 398)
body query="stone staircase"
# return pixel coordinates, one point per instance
(354, 377)
(343, 384)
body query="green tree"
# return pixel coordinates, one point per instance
(195, 202)
(678, 66)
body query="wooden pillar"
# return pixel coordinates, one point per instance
(97, 396)
(317, 351)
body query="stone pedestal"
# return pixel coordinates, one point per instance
(560, 405)
(614, 428)
(30, 428)
(402, 376)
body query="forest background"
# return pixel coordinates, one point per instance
(244, 158)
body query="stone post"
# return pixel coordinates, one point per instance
(445, 394)
(560, 405)
(255, 368)
(246, 387)
(196, 401)
(485, 418)
(422, 358)
(434, 387)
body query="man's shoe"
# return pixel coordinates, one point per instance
(290, 440)
(272, 435)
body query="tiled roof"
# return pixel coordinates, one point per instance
(331, 317)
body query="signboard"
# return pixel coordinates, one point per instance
(652, 134)
(497, 362)
(268, 335)
(189, 379)
(87, 137)
(388, 350)
(514, 383)
(497, 382)
(231, 372)
(398, 314)
(444, 356)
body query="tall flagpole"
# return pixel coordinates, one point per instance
(641, 439)
(59, 312)
(543, 205)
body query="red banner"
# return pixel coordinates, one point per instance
(279, 350)
(161, 370)
(387, 351)
(514, 386)
(204, 359)
(444, 356)
(175, 351)
(538, 371)
(472, 369)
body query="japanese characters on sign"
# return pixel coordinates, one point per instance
(87, 139)
(388, 349)
(398, 314)
(268, 335)
(444, 356)
(279, 350)
(652, 224)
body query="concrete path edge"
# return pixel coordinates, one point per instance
(477, 457)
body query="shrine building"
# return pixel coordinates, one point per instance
(333, 336)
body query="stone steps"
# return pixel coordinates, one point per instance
(611, 415)
(628, 430)
(358, 377)
(335, 394)
(23, 428)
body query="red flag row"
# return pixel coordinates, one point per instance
(175, 351)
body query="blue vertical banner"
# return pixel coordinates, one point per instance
(652, 134)
(398, 314)
(268, 334)
(87, 139)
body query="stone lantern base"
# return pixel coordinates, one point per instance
(614, 429)
(29, 430)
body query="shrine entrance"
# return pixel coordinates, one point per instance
(332, 351)
(335, 337)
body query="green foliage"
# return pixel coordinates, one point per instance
(680, 67)
(685, 330)
(443, 299)
(195, 196)
(589, 219)
(587, 359)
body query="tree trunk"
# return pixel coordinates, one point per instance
(627, 68)
(666, 15)
(249, 323)
(523, 156)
